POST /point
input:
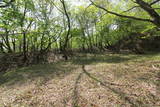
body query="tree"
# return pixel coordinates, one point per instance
(147, 7)
(68, 32)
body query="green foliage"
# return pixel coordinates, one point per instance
(45, 23)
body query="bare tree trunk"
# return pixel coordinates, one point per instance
(1, 47)
(24, 47)
(14, 44)
(64, 51)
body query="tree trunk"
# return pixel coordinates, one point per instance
(64, 51)
(24, 47)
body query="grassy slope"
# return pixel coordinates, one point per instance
(106, 81)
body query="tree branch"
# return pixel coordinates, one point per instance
(130, 9)
(147, 7)
(154, 2)
(120, 15)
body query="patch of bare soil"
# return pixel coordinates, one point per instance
(129, 84)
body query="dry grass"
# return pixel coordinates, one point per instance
(111, 80)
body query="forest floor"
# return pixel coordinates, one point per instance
(87, 80)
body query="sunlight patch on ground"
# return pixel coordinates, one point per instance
(111, 80)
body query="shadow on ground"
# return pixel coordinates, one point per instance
(42, 71)
(132, 99)
(60, 69)
(46, 72)
(110, 58)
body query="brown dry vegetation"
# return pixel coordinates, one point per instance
(101, 80)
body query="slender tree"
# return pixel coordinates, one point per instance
(68, 32)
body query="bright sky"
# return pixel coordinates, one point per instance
(79, 2)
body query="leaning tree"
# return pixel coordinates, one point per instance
(148, 7)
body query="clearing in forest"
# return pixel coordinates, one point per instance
(87, 80)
